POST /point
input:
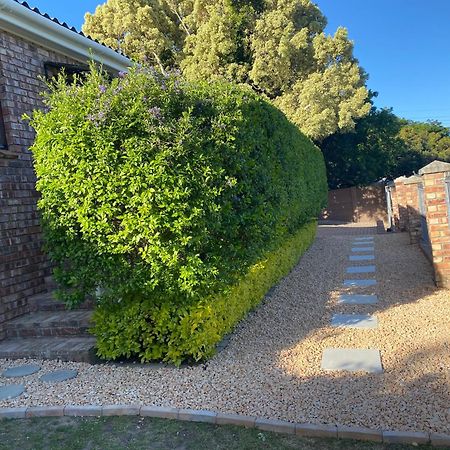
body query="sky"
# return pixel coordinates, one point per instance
(404, 45)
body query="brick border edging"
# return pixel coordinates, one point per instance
(191, 415)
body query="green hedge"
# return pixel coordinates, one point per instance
(175, 333)
(159, 192)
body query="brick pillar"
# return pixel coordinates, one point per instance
(390, 190)
(412, 207)
(437, 205)
(400, 210)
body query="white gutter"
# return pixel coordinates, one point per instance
(21, 21)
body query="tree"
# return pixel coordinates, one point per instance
(278, 47)
(372, 151)
(217, 49)
(431, 139)
(143, 29)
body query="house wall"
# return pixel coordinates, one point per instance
(23, 265)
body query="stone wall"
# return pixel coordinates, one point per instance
(23, 266)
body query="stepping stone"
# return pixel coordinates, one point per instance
(358, 299)
(354, 321)
(360, 269)
(11, 391)
(21, 371)
(359, 283)
(352, 359)
(362, 257)
(362, 249)
(59, 375)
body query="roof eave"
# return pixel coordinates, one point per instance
(20, 21)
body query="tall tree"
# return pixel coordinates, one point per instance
(279, 47)
(147, 30)
(372, 151)
(431, 139)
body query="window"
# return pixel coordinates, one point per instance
(53, 69)
(3, 143)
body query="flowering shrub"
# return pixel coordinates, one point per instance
(163, 193)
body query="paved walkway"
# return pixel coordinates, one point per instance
(355, 359)
(272, 366)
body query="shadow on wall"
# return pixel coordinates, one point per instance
(357, 204)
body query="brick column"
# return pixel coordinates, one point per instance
(400, 210)
(437, 205)
(412, 207)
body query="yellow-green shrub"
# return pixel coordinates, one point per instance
(174, 332)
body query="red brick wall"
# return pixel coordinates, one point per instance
(412, 206)
(438, 226)
(22, 263)
(400, 205)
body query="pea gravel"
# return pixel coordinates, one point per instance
(271, 367)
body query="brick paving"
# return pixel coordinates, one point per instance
(63, 348)
(350, 229)
(50, 332)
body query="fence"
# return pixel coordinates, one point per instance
(420, 205)
(357, 204)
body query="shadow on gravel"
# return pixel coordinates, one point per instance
(413, 393)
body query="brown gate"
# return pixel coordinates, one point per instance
(357, 204)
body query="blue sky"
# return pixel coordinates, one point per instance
(404, 45)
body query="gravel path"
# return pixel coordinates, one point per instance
(271, 368)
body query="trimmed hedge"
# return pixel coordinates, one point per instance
(157, 195)
(174, 333)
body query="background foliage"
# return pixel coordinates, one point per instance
(157, 194)
(278, 47)
(429, 139)
(382, 146)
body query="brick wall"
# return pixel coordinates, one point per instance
(428, 220)
(437, 205)
(23, 266)
(399, 205)
(411, 196)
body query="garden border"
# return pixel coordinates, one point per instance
(218, 418)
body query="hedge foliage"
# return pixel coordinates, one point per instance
(173, 333)
(157, 194)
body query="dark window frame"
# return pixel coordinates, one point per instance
(51, 69)
(3, 139)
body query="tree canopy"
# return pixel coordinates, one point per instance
(374, 150)
(431, 139)
(278, 47)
